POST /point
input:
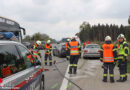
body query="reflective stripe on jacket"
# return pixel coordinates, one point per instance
(74, 48)
(108, 53)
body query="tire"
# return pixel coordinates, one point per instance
(84, 58)
(59, 55)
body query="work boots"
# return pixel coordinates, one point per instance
(112, 79)
(50, 63)
(45, 63)
(75, 70)
(125, 78)
(104, 79)
(121, 79)
(70, 70)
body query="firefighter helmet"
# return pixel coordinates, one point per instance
(107, 38)
(38, 42)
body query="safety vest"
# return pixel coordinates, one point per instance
(66, 45)
(35, 46)
(74, 48)
(47, 47)
(108, 53)
(121, 50)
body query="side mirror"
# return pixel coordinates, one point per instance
(24, 31)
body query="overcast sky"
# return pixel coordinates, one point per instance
(61, 18)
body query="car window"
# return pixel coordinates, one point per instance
(9, 60)
(92, 46)
(26, 55)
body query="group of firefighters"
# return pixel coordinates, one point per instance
(35, 49)
(110, 54)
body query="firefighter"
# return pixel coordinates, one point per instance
(48, 49)
(84, 44)
(36, 49)
(122, 58)
(67, 49)
(74, 55)
(107, 54)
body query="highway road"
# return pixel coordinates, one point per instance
(89, 76)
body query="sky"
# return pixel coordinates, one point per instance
(62, 18)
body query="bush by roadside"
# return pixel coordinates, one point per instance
(128, 66)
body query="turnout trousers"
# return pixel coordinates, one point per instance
(108, 67)
(68, 54)
(73, 64)
(122, 68)
(50, 59)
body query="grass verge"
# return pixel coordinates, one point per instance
(128, 67)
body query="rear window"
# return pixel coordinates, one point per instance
(92, 46)
(9, 60)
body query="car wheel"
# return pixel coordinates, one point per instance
(84, 57)
(59, 55)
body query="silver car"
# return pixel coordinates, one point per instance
(91, 50)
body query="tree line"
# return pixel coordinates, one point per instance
(38, 36)
(100, 31)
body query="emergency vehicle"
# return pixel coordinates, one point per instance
(19, 70)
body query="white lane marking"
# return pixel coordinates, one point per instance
(65, 82)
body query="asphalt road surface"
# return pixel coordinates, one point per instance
(89, 76)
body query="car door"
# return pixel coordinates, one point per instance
(33, 72)
(11, 66)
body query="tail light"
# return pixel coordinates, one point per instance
(85, 51)
(98, 50)
(1, 80)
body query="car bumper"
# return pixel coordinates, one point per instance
(91, 55)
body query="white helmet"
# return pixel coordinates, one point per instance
(107, 38)
(68, 40)
(48, 41)
(38, 42)
(121, 36)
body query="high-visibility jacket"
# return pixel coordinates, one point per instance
(66, 45)
(48, 49)
(108, 53)
(35, 46)
(121, 50)
(74, 48)
(85, 43)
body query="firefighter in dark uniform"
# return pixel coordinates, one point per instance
(36, 49)
(122, 53)
(107, 55)
(48, 49)
(67, 49)
(74, 55)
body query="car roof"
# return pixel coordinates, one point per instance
(9, 42)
